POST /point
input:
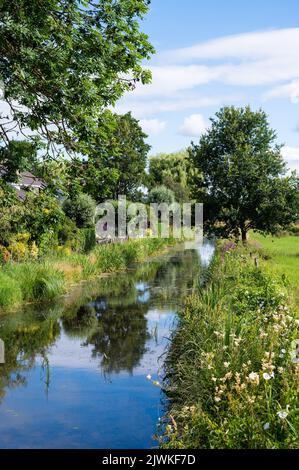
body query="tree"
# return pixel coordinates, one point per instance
(63, 62)
(120, 160)
(16, 157)
(81, 209)
(161, 194)
(244, 184)
(174, 170)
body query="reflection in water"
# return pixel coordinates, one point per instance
(117, 326)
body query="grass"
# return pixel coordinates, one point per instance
(50, 277)
(282, 257)
(231, 378)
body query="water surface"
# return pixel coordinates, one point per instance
(75, 371)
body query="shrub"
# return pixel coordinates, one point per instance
(4, 255)
(161, 194)
(88, 239)
(81, 209)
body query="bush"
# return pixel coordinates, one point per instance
(4, 255)
(88, 239)
(81, 209)
(161, 194)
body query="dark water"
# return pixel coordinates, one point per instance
(75, 371)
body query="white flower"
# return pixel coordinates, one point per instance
(254, 378)
(217, 399)
(149, 377)
(282, 414)
(268, 376)
(226, 364)
(266, 426)
(283, 351)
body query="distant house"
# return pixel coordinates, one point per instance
(26, 181)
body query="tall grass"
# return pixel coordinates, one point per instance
(52, 276)
(231, 377)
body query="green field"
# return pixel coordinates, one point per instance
(283, 253)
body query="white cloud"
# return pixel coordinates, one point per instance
(249, 46)
(142, 107)
(291, 91)
(193, 126)
(167, 80)
(152, 126)
(266, 58)
(290, 153)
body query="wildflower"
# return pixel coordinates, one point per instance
(266, 426)
(149, 377)
(226, 364)
(237, 341)
(267, 376)
(254, 378)
(214, 379)
(217, 399)
(228, 375)
(263, 334)
(282, 414)
(218, 334)
(283, 351)
(280, 370)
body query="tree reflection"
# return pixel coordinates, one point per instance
(26, 336)
(113, 324)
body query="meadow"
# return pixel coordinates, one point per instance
(282, 255)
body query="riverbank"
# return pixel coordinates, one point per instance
(53, 275)
(231, 376)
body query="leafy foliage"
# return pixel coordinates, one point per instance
(121, 160)
(18, 156)
(243, 185)
(161, 194)
(63, 62)
(81, 209)
(174, 170)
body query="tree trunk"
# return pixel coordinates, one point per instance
(244, 236)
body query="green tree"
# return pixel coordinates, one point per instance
(118, 163)
(81, 209)
(174, 170)
(16, 157)
(161, 194)
(244, 184)
(63, 62)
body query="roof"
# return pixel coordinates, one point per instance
(26, 180)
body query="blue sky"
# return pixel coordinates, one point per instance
(215, 53)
